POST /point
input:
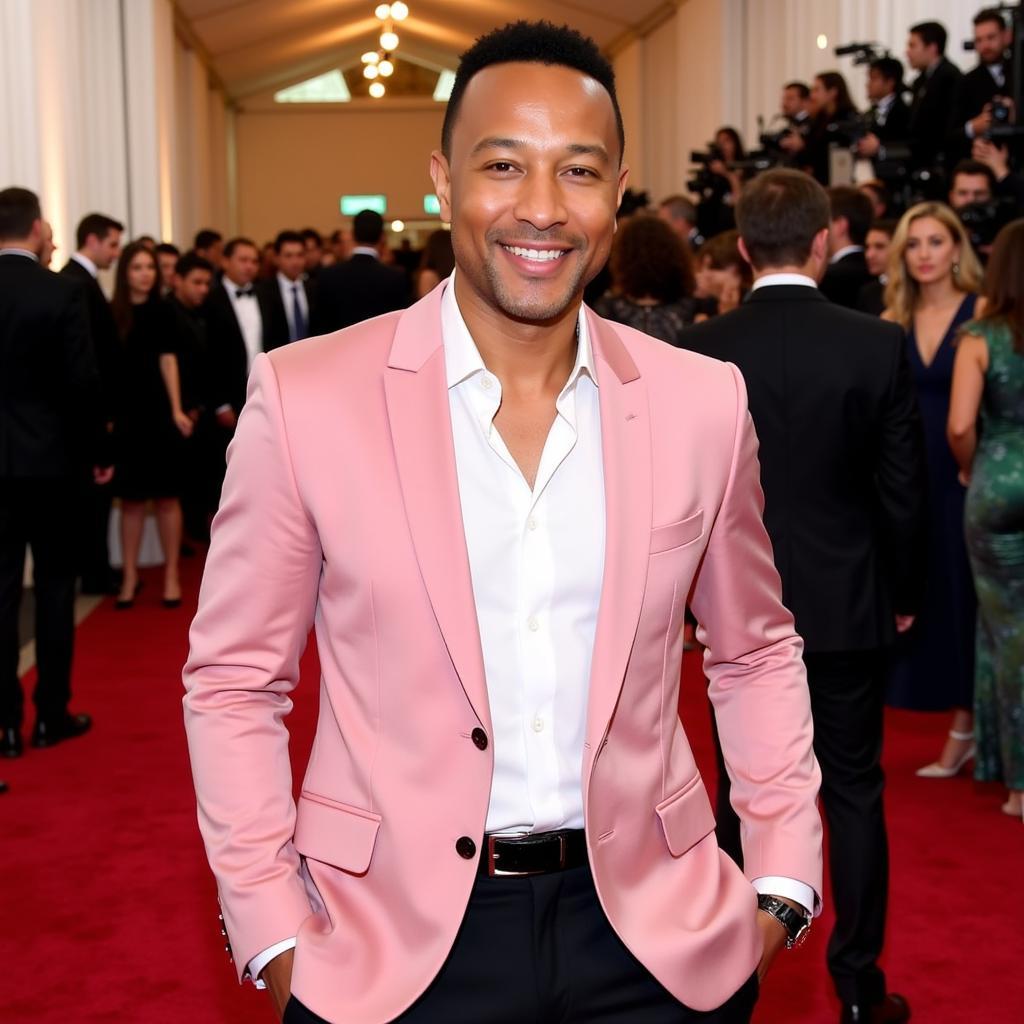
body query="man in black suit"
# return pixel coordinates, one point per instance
(972, 110)
(842, 468)
(850, 217)
(288, 295)
(51, 426)
(889, 116)
(98, 241)
(362, 287)
(934, 92)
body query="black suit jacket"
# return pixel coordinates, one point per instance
(51, 422)
(842, 458)
(361, 287)
(897, 122)
(227, 354)
(931, 113)
(102, 330)
(275, 327)
(844, 279)
(976, 89)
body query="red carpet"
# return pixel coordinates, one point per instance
(109, 911)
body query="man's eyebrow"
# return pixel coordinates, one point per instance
(576, 148)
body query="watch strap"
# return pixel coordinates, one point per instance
(797, 924)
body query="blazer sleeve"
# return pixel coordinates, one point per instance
(81, 376)
(255, 612)
(901, 483)
(753, 659)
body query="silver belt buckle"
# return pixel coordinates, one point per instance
(495, 872)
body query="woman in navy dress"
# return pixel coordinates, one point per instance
(934, 277)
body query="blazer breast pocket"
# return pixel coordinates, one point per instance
(676, 535)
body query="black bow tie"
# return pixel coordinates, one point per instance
(244, 292)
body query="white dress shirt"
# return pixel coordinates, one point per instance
(249, 317)
(290, 289)
(84, 261)
(14, 251)
(536, 558)
(769, 279)
(845, 251)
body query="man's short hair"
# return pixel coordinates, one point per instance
(237, 243)
(889, 68)
(286, 237)
(887, 225)
(931, 33)
(167, 249)
(98, 224)
(190, 262)
(850, 203)
(19, 210)
(531, 42)
(990, 14)
(205, 238)
(974, 167)
(680, 208)
(802, 88)
(311, 234)
(779, 214)
(367, 227)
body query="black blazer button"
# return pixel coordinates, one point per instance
(479, 737)
(465, 848)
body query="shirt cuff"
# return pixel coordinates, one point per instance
(790, 889)
(969, 130)
(226, 407)
(260, 960)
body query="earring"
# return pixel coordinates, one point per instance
(956, 269)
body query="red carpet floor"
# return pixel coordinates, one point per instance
(109, 912)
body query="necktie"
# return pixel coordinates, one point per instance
(298, 320)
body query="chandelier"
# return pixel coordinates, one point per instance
(377, 64)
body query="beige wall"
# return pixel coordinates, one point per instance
(295, 164)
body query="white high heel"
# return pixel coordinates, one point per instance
(939, 771)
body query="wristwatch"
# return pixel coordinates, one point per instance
(797, 925)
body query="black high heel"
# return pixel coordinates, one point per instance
(124, 603)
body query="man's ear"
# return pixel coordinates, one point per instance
(440, 174)
(742, 246)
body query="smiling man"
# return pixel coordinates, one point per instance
(492, 507)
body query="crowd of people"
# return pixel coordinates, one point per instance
(923, 311)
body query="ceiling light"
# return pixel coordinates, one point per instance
(371, 57)
(370, 71)
(399, 11)
(386, 68)
(377, 90)
(383, 11)
(388, 41)
(397, 226)
(823, 42)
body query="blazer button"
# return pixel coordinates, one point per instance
(479, 737)
(465, 848)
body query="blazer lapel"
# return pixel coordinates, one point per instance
(626, 446)
(416, 393)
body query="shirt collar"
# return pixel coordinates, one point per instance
(86, 262)
(287, 283)
(845, 251)
(772, 279)
(462, 357)
(15, 251)
(366, 250)
(886, 102)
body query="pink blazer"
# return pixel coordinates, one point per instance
(341, 512)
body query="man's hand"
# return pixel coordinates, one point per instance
(278, 978)
(102, 475)
(227, 419)
(868, 146)
(792, 142)
(773, 939)
(982, 122)
(904, 622)
(996, 157)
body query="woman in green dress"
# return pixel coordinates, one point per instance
(988, 377)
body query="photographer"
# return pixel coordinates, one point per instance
(795, 107)
(728, 149)
(889, 117)
(830, 106)
(971, 182)
(981, 97)
(934, 91)
(1009, 186)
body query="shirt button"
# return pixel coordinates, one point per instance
(533, 624)
(538, 724)
(479, 738)
(486, 383)
(531, 523)
(465, 848)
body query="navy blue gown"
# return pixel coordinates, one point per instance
(933, 664)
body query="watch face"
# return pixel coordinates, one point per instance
(801, 936)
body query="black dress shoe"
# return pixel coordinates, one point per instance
(10, 742)
(67, 727)
(891, 1010)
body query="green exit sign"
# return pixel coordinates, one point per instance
(351, 205)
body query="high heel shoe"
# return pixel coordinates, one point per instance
(124, 603)
(940, 771)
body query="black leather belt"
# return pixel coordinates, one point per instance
(538, 854)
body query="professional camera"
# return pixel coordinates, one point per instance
(862, 53)
(984, 221)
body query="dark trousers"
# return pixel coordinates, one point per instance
(847, 692)
(40, 513)
(540, 949)
(93, 528)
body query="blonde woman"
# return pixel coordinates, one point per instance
(934, 277)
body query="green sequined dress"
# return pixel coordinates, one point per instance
(994, 528)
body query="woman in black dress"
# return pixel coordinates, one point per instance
(149, 425)
(831, 108)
